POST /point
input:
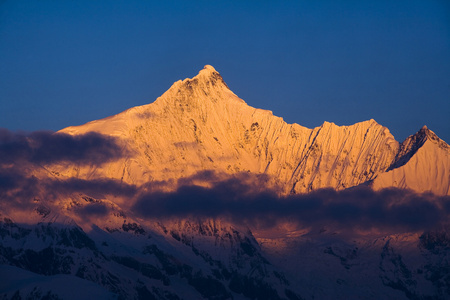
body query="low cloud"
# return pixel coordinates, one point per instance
(241, 198)
(44, 147)
(240, 201)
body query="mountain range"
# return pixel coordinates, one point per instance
(200, 196)
(200, 124)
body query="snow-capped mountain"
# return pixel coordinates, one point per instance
(200, 124)
(200, 196)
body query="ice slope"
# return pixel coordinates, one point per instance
(200, 124)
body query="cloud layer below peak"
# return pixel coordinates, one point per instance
(240, 200)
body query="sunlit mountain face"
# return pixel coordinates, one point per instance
(200, 196)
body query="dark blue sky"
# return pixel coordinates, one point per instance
(65, 63)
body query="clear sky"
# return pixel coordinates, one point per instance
(65, 63)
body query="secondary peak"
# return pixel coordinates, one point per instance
(425, 132)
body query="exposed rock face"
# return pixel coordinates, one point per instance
(200, 124)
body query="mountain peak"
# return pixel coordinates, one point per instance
(209, 68)
(193, 94)
(207, 72)
(206, 83)
(426, 134)
(412, 143)
(209, 76)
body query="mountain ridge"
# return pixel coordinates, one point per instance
(200, 124)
